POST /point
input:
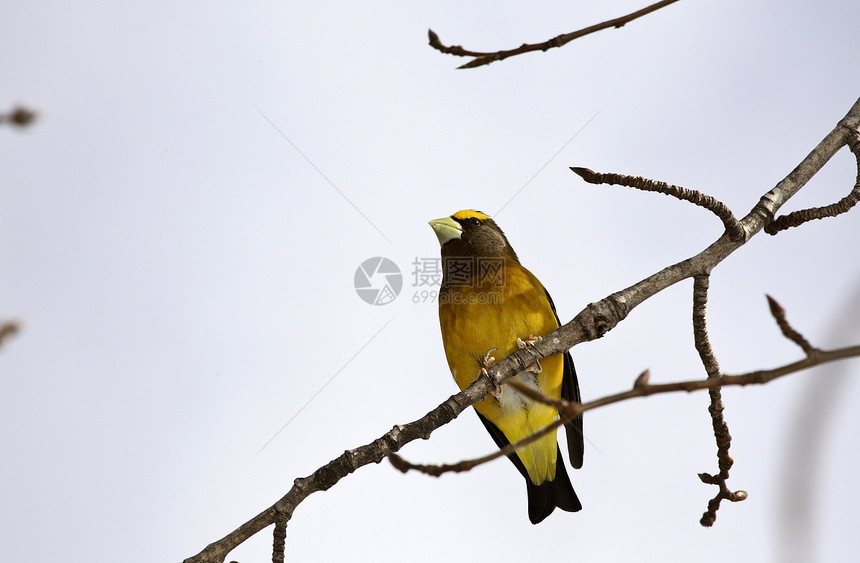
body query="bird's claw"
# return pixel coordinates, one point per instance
(488, 362)
(528, 344)
(530, 341)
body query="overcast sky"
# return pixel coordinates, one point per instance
(180, 232)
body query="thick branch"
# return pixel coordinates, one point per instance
(485, 58)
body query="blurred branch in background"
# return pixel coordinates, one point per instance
(809, 427)
(19, 117)
(8, 329)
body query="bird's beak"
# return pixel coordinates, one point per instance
(446, 229)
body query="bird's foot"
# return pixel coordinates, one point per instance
(528, 344)
(488, 362)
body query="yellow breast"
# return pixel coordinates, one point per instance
(476, 319)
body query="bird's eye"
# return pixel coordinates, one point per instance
(474, 222)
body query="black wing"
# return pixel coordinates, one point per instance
(570, 392)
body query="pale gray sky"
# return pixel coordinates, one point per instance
(185, 275)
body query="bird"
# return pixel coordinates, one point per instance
(489, 307)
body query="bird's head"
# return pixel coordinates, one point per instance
(472, 233)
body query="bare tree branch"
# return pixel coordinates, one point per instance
(279, 542)
(758, 377)
(591, 323)
(718, 208)
(485, 58)
(797, 218)
(779, 315)
(718, 422)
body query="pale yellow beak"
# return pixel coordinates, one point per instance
(446, 229)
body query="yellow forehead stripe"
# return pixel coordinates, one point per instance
(467, 213)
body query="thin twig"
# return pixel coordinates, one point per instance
(715, 206)
(279, 539)
(718, 422)
(787, 330)
(484, 58)
(700, 325)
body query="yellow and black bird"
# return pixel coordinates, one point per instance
(489, 302)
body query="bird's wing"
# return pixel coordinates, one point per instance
(501, 440)
(570, 392)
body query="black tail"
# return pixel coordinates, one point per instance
(545, 497)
